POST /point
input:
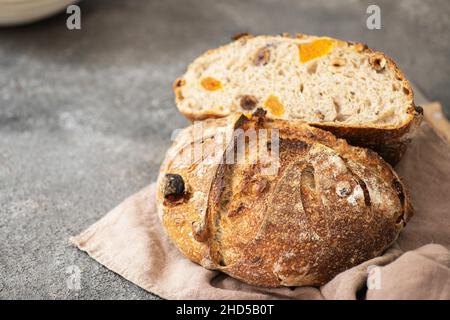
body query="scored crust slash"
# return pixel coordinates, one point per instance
(328, 207)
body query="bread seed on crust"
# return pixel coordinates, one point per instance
(262, 57)
(248, 102)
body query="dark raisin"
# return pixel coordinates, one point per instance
(418, 109)
(262, 57)
(173, 186)
(260, 113)
(248, 102)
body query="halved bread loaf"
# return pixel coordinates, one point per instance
(344, 87)
(326, 207)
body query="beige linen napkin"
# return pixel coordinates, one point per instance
(130, 241)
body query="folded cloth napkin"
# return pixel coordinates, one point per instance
(130, 241)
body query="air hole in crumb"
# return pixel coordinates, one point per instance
(336, 105)
(231, 64)
(395, 87)
(367, 103)
(406, 91)
(341, 117)
(378, 62)
(312, 67)
(338, 62)
(302, 87)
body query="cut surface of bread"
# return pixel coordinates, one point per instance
(308, 78)
(330, 83)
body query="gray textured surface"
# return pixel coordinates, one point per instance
(85, 116)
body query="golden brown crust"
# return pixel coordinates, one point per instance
(390, 141)
(328, 207)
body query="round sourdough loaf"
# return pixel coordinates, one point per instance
(345, 87)
(326, 207)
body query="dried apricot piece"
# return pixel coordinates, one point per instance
(211, 84)
(274, 105)
(315, 49)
